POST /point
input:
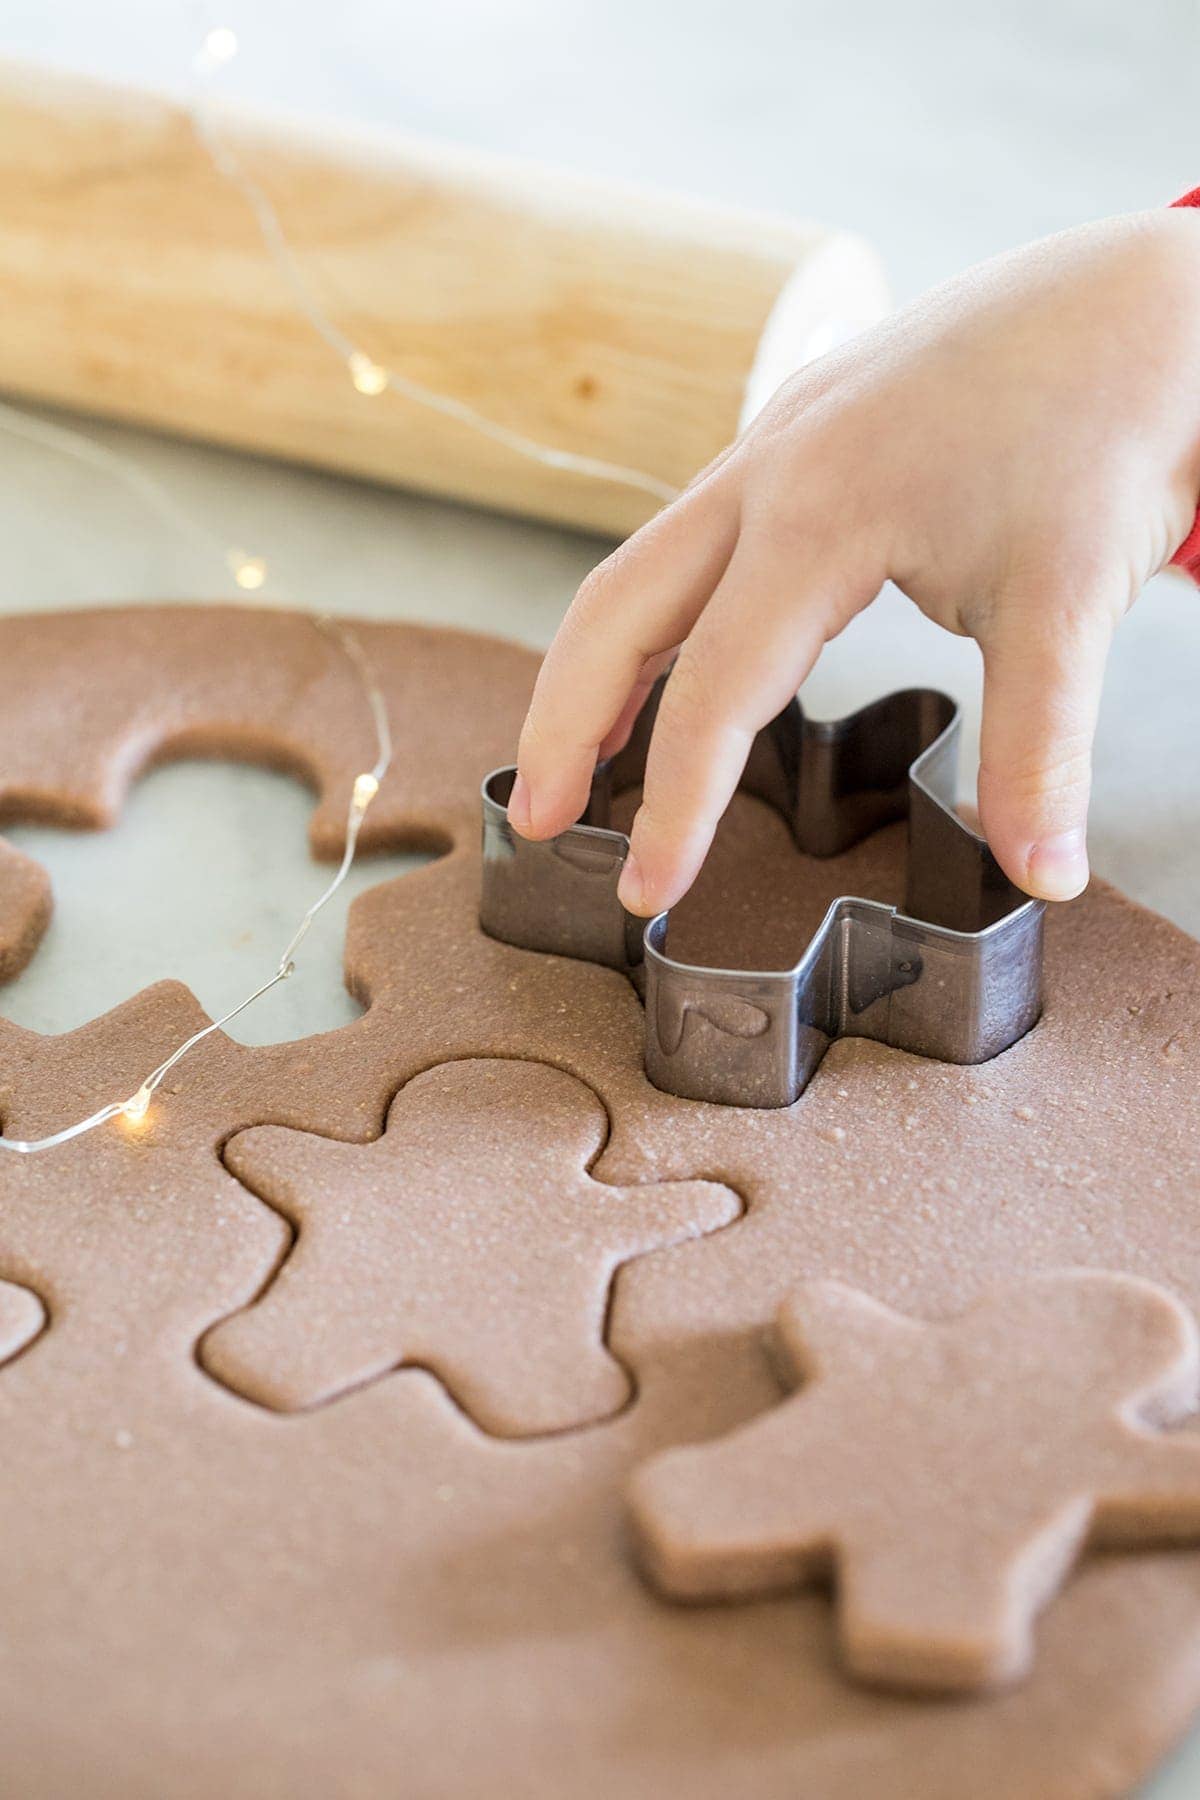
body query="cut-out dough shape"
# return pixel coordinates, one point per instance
(25, 907)
(470, 1239)
(948, 1474)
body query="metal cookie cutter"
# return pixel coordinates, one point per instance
(955, 975)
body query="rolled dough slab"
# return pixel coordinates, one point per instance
(204, 1596)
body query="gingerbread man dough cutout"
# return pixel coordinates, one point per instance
(469, 1239)
(947, 1474)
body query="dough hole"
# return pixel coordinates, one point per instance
(204, 879)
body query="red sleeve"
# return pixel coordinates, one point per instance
(1188, 554)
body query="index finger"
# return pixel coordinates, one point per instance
(638, 604)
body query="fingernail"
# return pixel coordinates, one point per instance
(1058, 867)
(630, 888)
(519, 814)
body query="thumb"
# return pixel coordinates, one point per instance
(1041, 696)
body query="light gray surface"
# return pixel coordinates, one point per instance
(943, 130)
(196, 840)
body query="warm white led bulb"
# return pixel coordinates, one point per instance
(365, 789)
(137, 1106)
(220, 44)
(249, 572)
(368, 377)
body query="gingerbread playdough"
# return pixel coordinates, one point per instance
(322, 1386)
(488, 1260)
(893, 1467)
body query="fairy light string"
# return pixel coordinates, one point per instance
(249, 572)
(369, 378)
(364, 790)
(367, 375)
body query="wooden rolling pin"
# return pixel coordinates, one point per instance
(616, 324)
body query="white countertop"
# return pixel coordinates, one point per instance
(943, 131)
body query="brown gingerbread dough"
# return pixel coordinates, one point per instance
(469, 1239)
(25, 907)
(893, 1468)
(203, 1596)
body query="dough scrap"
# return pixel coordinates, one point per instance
(469, 1240)
(948, 1473)
(25, 908)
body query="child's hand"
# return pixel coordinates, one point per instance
(1020, 451)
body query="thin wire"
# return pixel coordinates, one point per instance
(365, 788)
(86, 450)
(288, 265)
(75, 444)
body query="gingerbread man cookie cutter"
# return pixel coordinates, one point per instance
(955, 974)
